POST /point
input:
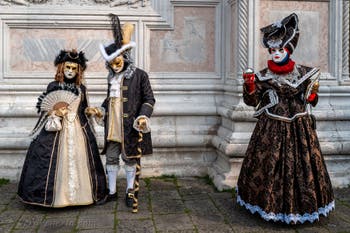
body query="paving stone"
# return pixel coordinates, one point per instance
(168, 207)
(190, 192)
(242, 228)
(106, 208)
(162, 185)
(9, 188)
(6, 198)
(226, 206)
(334, 223)
(312, 230)
(6, 228)
(165, 195)
(343, 211)
(135, 226)
(99, 231)
(194, 186)
(17, 204)
(199, 207)
(173, 222)
(24, 231)
(214, 228)
(241, 216)
(10, 216)
(57, 225)
(270, 226)
(207, 219)
(273, 230)
(96, 221)
(221, 195)
(71, 212)
(179, 231)
(199, 196)
(141, 214)
(29, 221)
(342, 194)
(2, 207)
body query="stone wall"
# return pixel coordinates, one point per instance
(177, 44)
(324, 43)
(194, 52)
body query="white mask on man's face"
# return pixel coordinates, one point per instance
(70, 69)
(278, 54)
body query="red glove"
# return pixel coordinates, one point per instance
(249, 80)
(312, 97)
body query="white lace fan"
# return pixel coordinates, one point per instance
(57, 99)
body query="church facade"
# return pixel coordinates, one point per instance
(194, 52)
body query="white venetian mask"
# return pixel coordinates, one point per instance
(278, 54)
(70, 69)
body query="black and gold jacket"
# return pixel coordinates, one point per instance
(137, 100)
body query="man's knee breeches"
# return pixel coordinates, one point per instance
(113, 153)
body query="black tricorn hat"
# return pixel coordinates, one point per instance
(284, 33)
(71, 56)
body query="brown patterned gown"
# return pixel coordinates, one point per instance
(283, 175)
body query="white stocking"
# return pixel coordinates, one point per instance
(130, 172)
(112, 172)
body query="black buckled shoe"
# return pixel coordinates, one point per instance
(112, 197)
(107, 198)
(129, 198)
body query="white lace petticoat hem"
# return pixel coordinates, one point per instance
(287, 218)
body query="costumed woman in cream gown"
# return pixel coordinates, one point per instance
(63, 166)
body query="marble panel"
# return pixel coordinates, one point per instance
(34, 50)
(111, 3)
(190, 47)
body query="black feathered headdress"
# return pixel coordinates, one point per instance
(71, 56)
(284, 33)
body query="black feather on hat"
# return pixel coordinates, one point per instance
(284, 33)
(71, 56)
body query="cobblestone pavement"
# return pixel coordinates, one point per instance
(167, 204)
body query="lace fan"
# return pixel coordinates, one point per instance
(57, 99)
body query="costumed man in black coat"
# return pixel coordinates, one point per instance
(63, 165)
(128, 107)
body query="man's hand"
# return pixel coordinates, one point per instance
(93, 111)
(142, 123)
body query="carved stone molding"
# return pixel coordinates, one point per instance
(246, 33)
(336, 35)
(242, 35)
(110, 3)
(346, 39)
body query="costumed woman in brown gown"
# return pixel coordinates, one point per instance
(283, 175)
(63, 165)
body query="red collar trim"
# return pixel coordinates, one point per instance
(286, 68)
